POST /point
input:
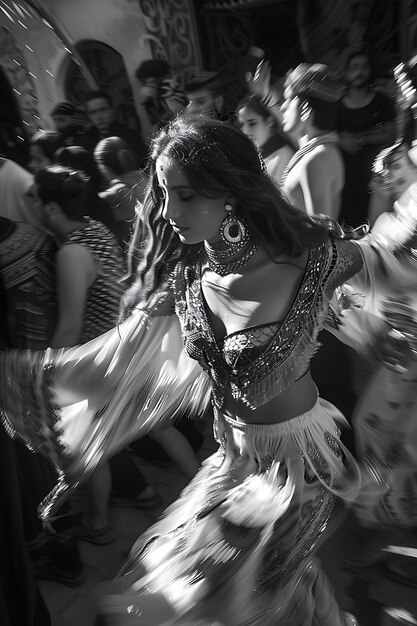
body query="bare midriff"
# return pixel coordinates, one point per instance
(295, 400)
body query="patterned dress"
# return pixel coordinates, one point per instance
(101, 310)
(27, 266)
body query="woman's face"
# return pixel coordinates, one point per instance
(290, 109)
(256, 127)
(193, 218)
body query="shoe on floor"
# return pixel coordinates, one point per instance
(98, 536)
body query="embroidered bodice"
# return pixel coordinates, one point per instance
(259, 362)
(240, 348)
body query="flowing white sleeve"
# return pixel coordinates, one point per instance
(383, 294)
(80, 405)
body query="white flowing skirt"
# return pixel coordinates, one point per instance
(237, 548)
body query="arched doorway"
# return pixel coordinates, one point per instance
(108, 70)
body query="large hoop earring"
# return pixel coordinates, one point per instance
(233, 231)
(305, 112)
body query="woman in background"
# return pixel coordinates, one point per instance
(79, 159)
(258, 123)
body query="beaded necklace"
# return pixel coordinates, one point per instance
(226, 258)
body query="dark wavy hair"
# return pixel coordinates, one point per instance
(317, 86)
(80, 159)
(115, 154)
(67, 187)
(219, 160)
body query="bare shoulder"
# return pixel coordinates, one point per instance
(73, 252)
(74, 258)
(323, 153)
(324, 159)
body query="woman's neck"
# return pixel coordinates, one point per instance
(312, 132)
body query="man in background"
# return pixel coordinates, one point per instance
(205, 94)
(365, 125)
(102, 116)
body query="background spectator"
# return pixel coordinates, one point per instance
(205, 94)
(42, 148)
(77, 158)
(161, 94)
(314, 177)
(365, 124)
(71, 123)
(125, 183)
(102, 117)
(257, 121)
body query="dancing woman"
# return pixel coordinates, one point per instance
(247, 280)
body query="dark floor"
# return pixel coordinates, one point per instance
(373, 596)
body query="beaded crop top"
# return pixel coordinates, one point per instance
(259, 362)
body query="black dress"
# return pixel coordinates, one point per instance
(358, 166)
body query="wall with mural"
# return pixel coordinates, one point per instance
(46, 50)
(293, 31)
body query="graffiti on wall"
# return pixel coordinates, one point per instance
(171, 34)
(13, 62)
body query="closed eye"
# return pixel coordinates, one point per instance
(185, 197)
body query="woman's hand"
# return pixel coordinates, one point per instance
(260, 82)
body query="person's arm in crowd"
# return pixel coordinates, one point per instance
(75, 274)
(260, 84)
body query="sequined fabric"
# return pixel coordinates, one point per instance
(259, 362)
(237, 548)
